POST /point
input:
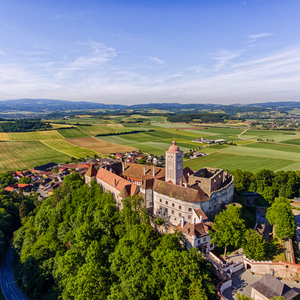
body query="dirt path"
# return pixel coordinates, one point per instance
(239, 136)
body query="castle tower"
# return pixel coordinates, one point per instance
(174, 164)
(90, 174)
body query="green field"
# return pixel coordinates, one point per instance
(35, 136)
(276, 135)
(231, 162)
(72, 133)
(23, 155)
(295, 141)
(69, 149)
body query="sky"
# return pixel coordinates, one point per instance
(141, 51)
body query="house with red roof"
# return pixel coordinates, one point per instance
(19, 187)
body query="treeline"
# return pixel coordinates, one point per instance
(203, 117)
(124, 132)
(80, 246)
(13, 208)
(24, 125)
(269, 184)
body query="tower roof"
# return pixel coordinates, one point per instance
(174, 148)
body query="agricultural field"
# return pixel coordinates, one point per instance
(3, 136)
(35, 136)
(23, 155)
(69, 149)
(99, 146)
(271, 135)
(231, 162)
(72, 133)
(100, 129)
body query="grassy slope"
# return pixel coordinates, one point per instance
(21, 155)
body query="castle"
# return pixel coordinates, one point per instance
(181, 197)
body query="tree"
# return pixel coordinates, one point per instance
(229, 228)
(280, 214)
(26, 180)
(255, 247)
(269, 194)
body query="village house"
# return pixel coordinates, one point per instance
(269, 287)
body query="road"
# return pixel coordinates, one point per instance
(9, 287)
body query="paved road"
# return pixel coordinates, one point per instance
(9, 287)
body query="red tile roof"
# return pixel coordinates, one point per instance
(20, 186)
(119, 183)
(198, 230)
(178, 192)
(136, 171)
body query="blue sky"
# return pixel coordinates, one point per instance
(128, 52)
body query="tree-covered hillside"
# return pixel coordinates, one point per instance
(24, 126)
(80, 246)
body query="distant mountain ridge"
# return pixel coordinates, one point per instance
(51, 105)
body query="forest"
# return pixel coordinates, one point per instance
(24, 125)
(78, 245)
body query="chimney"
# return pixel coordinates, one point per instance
(180, 182)
(153, 171)
(188, 174)
(105, 166)
(194, 221)
(110, 170)
(144, 170)
(182, 222)
(185, 184)
(115, 182)
(201, 219)
(123, 166)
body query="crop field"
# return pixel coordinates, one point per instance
(69, 149)
(3, 136)
(99, 146)
(274, 146)
(231, 162)
(277, 136)
(35, 136)
(72, 133)
(23, 155)
(244, 150)
(100, 129)
(295, 141)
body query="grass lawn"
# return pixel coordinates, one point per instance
(72, 133)
(232, 161)
(35, 136)
(100, 146)
(69, 149)
(26, 155)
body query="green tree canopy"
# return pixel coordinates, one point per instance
(229, 228)
(255, 245)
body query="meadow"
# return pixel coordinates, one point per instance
(35, 136)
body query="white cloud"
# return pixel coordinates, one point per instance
(157, 60)
(259, 35)
(2, 53)
(224, 57)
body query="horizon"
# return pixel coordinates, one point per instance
(138, 52)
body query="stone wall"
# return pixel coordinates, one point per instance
(218, 199)
(285, 270)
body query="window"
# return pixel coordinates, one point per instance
(211, 245)
(150, 204)
(204, 239)
(160, 200)
(167, 202)
(190, 209)
(179, 206)
(160, 207)
(179, 214)
(199, 241)
(173, 204)
(166, 210)
(189, 217)
(172, 212)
